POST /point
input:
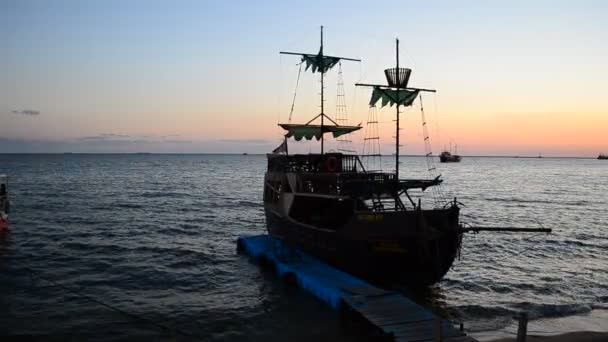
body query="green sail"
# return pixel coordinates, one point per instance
(393, 97)
(319, 62)
(309, 132)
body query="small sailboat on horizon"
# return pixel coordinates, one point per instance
(447, 156)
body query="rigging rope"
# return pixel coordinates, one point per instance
(295, 91)
(160, 326)
(344, 141)
(371, 142)
(436, 119)
(438, 195)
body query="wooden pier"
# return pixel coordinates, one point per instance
(388, 315)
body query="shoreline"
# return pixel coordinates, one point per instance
(577, 336)
(591, 327)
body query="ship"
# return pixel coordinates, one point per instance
(330, 206)
(602, 156)
(447, 156)
(372, 224)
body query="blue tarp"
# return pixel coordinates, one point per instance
(311, 274)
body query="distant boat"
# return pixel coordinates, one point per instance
(448, 157)
(602, 156)
(245, 154)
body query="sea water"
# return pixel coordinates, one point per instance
(110, 247)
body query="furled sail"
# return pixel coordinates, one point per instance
(309, 132)
(393, 97)
(319, 62)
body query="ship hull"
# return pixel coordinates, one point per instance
(403, 253)
(450, 159)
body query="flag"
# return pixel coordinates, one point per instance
(281, 148)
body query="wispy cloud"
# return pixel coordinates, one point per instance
(124, 143)
(105, 137)
(115, 138)
(26, 112)
(245, 141)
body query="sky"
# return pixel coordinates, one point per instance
(512, 77)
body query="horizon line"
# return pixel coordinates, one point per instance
(262, 154)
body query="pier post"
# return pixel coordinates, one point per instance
(522, 326)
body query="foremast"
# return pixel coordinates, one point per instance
(322, 63)
(322, 94)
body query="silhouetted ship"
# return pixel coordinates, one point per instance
(364, 222)
(602, 156)
(447, 156)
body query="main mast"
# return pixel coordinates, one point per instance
(322, 98)
(321, 63)
(397, 123)
(397, 93)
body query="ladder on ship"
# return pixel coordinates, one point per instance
(344, 141)
(371, 142)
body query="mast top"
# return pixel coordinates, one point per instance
(397, 77)
(319, 62)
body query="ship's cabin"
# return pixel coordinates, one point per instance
(336, 182)
(315, 163)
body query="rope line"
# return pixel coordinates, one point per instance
(439, 197)
(163, 327)
(295, 91)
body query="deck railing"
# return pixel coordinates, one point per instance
(316, 163)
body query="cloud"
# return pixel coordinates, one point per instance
(245, 141)
(105, 137)
(125, 143)
(113, 135)
(26, 112)
(109, 137)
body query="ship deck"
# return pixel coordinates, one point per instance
(386, 314)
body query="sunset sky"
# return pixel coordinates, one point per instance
(513, 77)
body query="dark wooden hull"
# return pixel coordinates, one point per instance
(450, 159)
(402, 248)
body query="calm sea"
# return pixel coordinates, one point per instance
(153, 237)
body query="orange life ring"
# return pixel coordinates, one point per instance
(332, 164)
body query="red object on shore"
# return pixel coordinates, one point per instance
(3, 224)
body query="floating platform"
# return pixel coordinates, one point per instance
(388, 314)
